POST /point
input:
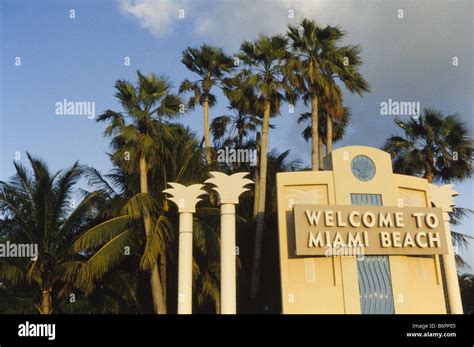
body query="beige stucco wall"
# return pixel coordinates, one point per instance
(330, 284)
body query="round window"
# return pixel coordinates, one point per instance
(363, 168)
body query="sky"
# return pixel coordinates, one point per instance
(80, 58)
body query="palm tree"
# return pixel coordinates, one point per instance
(461, 240)
(119, 233)
(210, 63)
(332, 106)
(263, 78)
(466, 284)
(135, 133)
(319, 60)
(122, 220)
(245, 103)
(434, 146)
(438, 148)
(238, 127)
(340, 127)
(269, 296)
(39, 208)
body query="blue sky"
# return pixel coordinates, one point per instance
(79, 59)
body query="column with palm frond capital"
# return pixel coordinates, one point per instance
(229, 188)
(442, 197)
(185, 199)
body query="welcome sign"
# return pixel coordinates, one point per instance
(375, 229)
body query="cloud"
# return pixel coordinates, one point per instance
(157, 16)
(227, 23)
(404, 59)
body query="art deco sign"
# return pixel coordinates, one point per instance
(372, 229)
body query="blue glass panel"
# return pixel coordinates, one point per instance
(375, 284)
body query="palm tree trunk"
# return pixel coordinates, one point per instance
(240, 142)
(156, 289)
(257, 176)
(164, 275)
(314, 134)
(241, 137)
(429, 174)
(328, 134)
(429, 167)
(320, 153)
(207, 134)
(46, 305)
(255, 279)
(165, 185)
